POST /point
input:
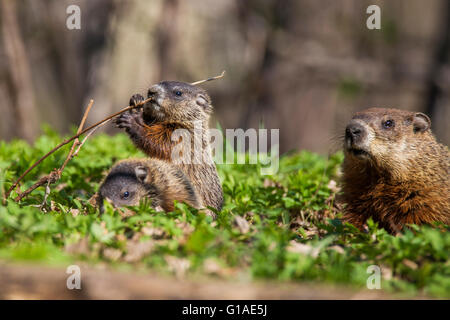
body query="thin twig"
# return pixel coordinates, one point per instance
(50, 178)
(88, 135)
(77, 141)
(209, 79)
(55, 175)
(46, 194)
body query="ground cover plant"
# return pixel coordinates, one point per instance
(283, 227)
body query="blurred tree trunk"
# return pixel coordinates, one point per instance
(437, 83)
(259, 84)
(166, 38)
(22, 111)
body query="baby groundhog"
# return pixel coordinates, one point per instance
(129, 181)
(177, 105)
(394, 170)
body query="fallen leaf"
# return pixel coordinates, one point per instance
(386, 272)
(112, 254)
(136, 250)
(121, 237)
(61, 186)
(242, 224)
(270, 183)
(185, 227)
(178, 265)
(338, 249)
(410, 264)
(305, 249)
(95, 200)
(125, 212)
(81, 247)
(156, 233)
(211, 266)
(74, 212)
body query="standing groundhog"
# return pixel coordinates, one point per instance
(177, 105)
(129, 181)
(394, 170)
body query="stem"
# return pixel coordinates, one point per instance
(209, 79)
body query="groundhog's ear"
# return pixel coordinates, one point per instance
(141, 173)
(421, 122)
(203, 101)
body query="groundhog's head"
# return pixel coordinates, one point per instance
(386, 137)
(127, 183)
(177, 101)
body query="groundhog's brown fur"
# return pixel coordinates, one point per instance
(394, 170)
(130, 181)
(177, 105)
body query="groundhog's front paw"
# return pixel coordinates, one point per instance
(130, 121)
(136, 99)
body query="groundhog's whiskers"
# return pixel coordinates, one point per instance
(335, 142)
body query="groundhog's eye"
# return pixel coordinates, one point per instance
(388, 124)
(126, 194)
(178, 93)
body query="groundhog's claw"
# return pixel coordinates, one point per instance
(130, 120)
(133, 119)
(136, 99)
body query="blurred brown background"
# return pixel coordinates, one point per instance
(302, 66)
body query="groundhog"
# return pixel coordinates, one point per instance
(153, 129)
(130, 181)
(394, 170)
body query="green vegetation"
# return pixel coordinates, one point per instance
(283, 227)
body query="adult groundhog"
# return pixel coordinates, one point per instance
(177, 105)
(130, 181)
(394, 170)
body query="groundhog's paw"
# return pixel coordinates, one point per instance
(130, 120)
(136, 99)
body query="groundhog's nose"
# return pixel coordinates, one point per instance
(354, 132)
(153, 91)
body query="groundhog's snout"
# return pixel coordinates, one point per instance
(153, 109)
(355, 136)
(154, 91)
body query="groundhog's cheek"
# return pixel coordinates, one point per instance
(380, 152)
(182, 113)
(395, 152)
(371, 135)
(388, 158)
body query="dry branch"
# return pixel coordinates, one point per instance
(209, 79)
(77, 141)
(55, 175)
